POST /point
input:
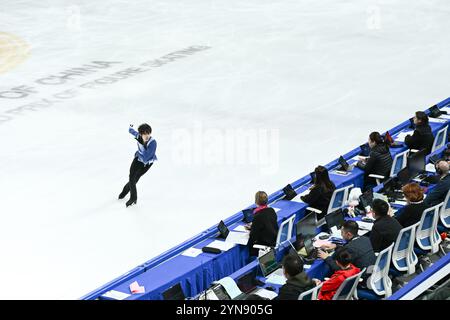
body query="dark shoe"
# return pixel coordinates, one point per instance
(130, 202)
(122, 195)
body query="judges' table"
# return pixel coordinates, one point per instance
(196, 273)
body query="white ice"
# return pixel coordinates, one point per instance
(323, 73)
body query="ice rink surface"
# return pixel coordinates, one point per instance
(278, 88)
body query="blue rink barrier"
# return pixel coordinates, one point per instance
(212, 231)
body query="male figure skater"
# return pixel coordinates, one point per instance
(143, 160)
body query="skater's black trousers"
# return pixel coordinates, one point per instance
(137, 170)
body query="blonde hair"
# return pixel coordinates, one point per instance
(261, 198)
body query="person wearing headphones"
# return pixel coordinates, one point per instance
(379, 161)
(439, 192)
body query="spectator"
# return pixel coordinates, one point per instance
(422, 137)
(297, 280)
(379, 161)
(412, 212)
(321, 191)
(385, 228)
(438, 194)
(346, 270)
(360, 248)
(264, 228)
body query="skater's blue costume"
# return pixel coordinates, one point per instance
(146, 152)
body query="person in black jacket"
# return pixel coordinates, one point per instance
(379, 161)
(360, 248)
(297, 280)
(412, 212)
(264, 228)
(439, 192)
(385, 229)
(320, 193)
(422, 137)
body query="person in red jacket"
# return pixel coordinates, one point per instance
(330, 286)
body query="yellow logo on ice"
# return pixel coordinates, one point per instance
(13, 51)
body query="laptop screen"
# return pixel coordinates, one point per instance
(435, 112)
(366, 198)
(247, 282)
(343, 163)
(335, 219)
(268, 263)
(223, 229)
(404, 176)
(174, 293)
(307, 226)
(417, 162)
(248, 215)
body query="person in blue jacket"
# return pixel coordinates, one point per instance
(143, 160)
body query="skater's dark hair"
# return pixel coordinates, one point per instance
(144, 129)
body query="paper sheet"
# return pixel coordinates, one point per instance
(266, 293)
(445, 116)
(238, 237)
(192, 252)
(240, 228)
(230, 287)
(276, 209)
(221, 245)
(117, 295)
(446, 109)
(276, 279)
(401, 136)
(435, 120)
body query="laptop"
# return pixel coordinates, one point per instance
(248, 215)
(435, 112)
(248, 284)
(233, 236)
(289, 192)
(366, 200)
(271, 269)
(174, 293)
(344, 168)
(335, 220)
(417, 164)
(434, 158)
(404, 176)
(216, 292)
(365, 150)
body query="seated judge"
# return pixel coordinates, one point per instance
(264, 228)
(415, 206)
(439, 192)
(379, 161)
(422, 137)
(321, 192)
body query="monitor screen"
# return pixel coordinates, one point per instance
(365, 150)
(307, 226)
(343, 163)
(335, 219)
(404, 176)
(366, 198)
(248, 215)
(417, 162)
(223, 229)
(247, 282)
(389, 187)
(435, 112)
(174, 293)
(268, 263)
